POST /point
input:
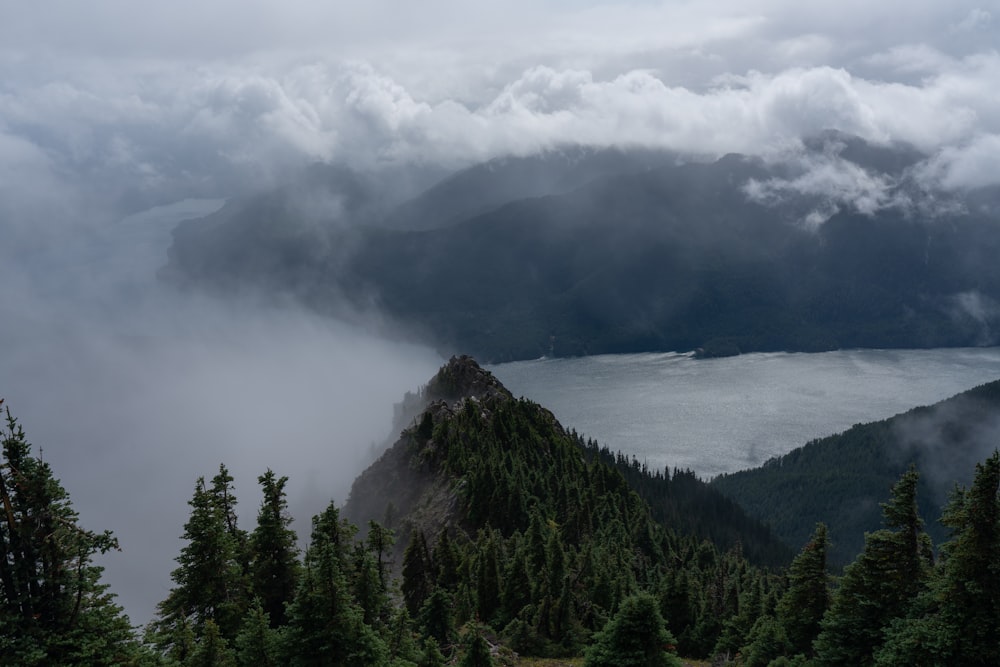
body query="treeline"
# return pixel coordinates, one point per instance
(540, 546)
(840, 480)
(895, 604)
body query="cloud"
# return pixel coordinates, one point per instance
(831, 183)
(972, 164)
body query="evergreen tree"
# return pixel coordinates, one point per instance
(635, 637)
(437, 617)
(879, 586)
(212, 650)
(431, 655)
(326, 625)
(53, 608)
(274, 564)
(956, 622)
(418, 571)
(477, 651)
(210, 581)
(258, 644)
(800, 610)
(767, 642)
(487, 577)
(971, 602)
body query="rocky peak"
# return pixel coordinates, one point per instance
(463, 378)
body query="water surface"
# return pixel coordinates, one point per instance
(723, 415)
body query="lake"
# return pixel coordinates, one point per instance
(722, 415)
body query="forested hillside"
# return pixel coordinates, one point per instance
(841, 479)
(584, 252)
(501, 535)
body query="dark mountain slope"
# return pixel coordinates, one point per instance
(476, 456)
(484, 187)
(842, 479)
(503, 516)
(725, 256)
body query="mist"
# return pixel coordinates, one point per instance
(132, 390)
(119, 120)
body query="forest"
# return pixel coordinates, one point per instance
(488, 533)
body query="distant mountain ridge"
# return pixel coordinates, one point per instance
(842, 479)
(586, 251)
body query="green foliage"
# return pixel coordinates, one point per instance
(212, 649)
(800, 610)
(635, 637)
(258, 644)
(326, 624)
(274, 565)
(53, 608)
(476, 650)
(839, 480)
(211, 582)
(880, 585)
(418, 573)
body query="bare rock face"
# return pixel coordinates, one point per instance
(463, 378)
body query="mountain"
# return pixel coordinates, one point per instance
(842, 479)
(513, 457)
(503, 516)
(582, 252)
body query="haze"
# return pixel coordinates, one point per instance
(109, 109)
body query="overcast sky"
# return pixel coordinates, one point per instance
(109, 107)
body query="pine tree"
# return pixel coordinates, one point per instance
(326, 625)
(418, 579)
(800, 610)
(971, 591)
(274, 564)
(635, 637)
(437, 618)
(210, 582)
(477, 651)
(879, 585)
(53, 608)
(213, 649)
(487, 577)
(258, 644)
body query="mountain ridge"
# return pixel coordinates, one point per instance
(818, 250)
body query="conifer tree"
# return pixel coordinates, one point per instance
(212, 649)
(487, 577)
(800, 610)
(418, 573)
(274, 564)
(258, 644)
(431, 655)
(326, 625)
(53, 608)
(635, 637)
(210, 582)
(879, 585)
(437, 617)
(477, 651)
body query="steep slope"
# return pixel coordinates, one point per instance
(842, 479)
(837, 246)
(503, 517)
(477, 456)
